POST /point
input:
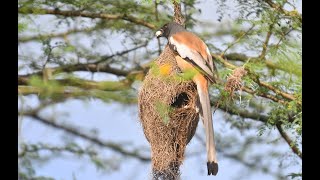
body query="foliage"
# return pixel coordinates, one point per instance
(64, 45)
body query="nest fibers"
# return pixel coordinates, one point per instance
(234, 81)
(168, 114)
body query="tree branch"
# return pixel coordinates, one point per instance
(69, 91)
(113, 146)
(38, 147)
(292, 145)
(106, 57)
(264, 84)
(86, 84)
(277, 91)
(237, 40)
(244, 113)
(245, 58)
(70, 13)
(266, 42)
(54, 35)
(294, 13)
(93, 67)
(268, 96)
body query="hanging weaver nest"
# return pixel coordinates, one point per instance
(234, 81)
(167, 111)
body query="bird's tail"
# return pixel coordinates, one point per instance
(206, 115)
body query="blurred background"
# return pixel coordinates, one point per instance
(81, 64)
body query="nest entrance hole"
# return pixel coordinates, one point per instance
(181, 100)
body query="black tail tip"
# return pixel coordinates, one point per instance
(212, 168)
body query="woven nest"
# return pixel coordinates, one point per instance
(168, 113)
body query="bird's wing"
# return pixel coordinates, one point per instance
(194, 50)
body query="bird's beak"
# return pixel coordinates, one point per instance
(159, 33)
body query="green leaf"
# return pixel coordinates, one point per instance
(164, 111)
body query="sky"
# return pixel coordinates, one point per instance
(112, 120)
(119, 123)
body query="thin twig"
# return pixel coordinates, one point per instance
(237, 40)
(266, 42)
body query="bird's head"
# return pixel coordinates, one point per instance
(169, 29)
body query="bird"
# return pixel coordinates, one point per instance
(192, 54)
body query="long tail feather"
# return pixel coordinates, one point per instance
(206, 114)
